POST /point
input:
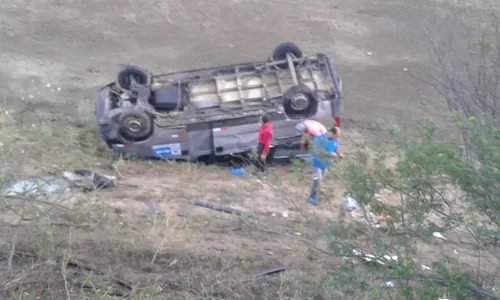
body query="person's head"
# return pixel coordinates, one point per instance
(300, 128)
(263, 120)
(334, 133)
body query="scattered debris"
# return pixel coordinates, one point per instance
(298, 233)
(350, 204)
(183, 210)
(455, 251)
(425, 267)
(269, 272)
(369, 53)
(83, 172)
(103, 181)
(172, 263)
(36, 187)
(238, 171)
(71, 177)
(382, 260)
(439, 235)
(218, 208)
(284, 214)
(389, 284)
(155, 209)
(405, 69)
(88, 181)
(273, 214)
(270, 252)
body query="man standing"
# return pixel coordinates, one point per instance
(311, 129)
(264, 142)
(325, 148)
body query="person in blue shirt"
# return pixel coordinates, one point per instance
(325, 149)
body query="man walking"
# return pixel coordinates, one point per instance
(309, 129)
(264, 142)
(325, 148)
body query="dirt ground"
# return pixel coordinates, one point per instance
(55, 54)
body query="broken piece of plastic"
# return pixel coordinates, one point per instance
(439, 235)
(238, 171)
(425, 268)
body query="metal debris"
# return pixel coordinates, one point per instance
(36, 187)
(269, 272)
(218, 208)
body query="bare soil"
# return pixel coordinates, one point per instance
(54, 55)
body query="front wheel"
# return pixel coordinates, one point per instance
(129, 74)
(135, 125)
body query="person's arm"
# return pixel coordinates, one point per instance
(327, 153)
(303, 142)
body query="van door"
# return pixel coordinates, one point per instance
(200, 140)
(286, 140)
(235, 135)
(173, 145)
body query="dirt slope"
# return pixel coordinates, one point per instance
(54, 54)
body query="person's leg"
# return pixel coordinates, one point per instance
(258, 162)
(317, 176)
(270, 156)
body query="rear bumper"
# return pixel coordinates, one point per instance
(336, 103)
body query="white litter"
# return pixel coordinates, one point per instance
(6, 112)
(298, 233)
(274, 215)
(172, 263)
(356, 252)
(58, 88)
(405, 69)
(425, 268)
(284, 214)
(369, 53)
(389, 284)
(455, 251)
(48, 85)
(439, 235)
(350, 204)
(389, 258)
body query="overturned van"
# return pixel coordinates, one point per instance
(199, 114)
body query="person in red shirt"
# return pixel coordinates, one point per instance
(264, 142)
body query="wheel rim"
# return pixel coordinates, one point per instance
(299, 102)
(134, 125)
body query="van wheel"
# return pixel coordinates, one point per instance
(135, 125)
(283, 49)
(125, 76)
(299, 101)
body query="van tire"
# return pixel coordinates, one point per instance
(124, 77)
(135, 125)
(299, 101)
